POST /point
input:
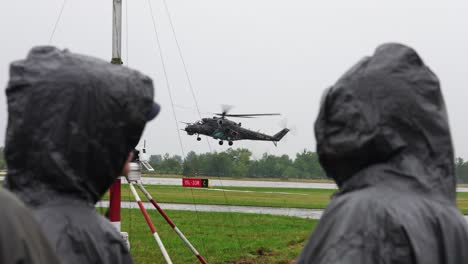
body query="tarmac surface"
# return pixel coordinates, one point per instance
(296, 212)
(238, 183)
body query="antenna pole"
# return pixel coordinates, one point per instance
(114, 191)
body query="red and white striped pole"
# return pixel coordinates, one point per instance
(114, 204)
(150, 224)
(169, 221)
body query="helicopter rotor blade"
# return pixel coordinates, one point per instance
(226, 108)
(247, 115)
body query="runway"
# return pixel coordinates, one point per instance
(249, 183)
(296, 212)
(240, 183)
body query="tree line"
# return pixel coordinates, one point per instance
(239, 163)
(461, 170)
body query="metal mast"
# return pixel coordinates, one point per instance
(114, 191)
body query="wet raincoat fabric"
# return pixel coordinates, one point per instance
(72, 121)
(383, 136)
(21, 238)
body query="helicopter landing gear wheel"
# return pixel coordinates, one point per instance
(198, 138)
(220, 142)
(230, 143)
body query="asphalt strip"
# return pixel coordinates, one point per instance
(296, 212)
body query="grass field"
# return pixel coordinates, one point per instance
(251, 196)
(219, 237)
(230, 237)
(462, 202)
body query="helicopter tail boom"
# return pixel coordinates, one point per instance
(278, 136)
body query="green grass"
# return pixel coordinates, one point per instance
(273, 197)
(219, 237)
(462, 202)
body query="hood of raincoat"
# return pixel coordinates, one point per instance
(385, 122)
(72, 121)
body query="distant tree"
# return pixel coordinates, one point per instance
(155, 159)
(292, 172)
(2, 159)
(307, 164)
(190, 166)
(239, 163)
(221, 164)
(271, 166)
(461, 170)
(171, 164)
(155, 162)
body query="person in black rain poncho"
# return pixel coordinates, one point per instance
(72, 122)
(21, 238)
(383, 136)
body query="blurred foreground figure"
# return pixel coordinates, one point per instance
(21, 238)
(383, 136)
(72, 122)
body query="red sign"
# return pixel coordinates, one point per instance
(195, 182)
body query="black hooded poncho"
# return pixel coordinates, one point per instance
(72, 121)
(21, 238)
(383, 136)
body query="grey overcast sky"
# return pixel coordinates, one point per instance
(259, 55)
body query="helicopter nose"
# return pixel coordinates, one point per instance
(190, 129)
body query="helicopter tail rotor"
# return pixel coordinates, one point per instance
(284, 124)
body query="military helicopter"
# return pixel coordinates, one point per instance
(218, 127)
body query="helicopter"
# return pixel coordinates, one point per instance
(223, 129)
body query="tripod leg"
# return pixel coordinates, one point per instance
(150, 224)
(169, 221)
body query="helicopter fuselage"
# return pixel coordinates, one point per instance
(224, 129)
